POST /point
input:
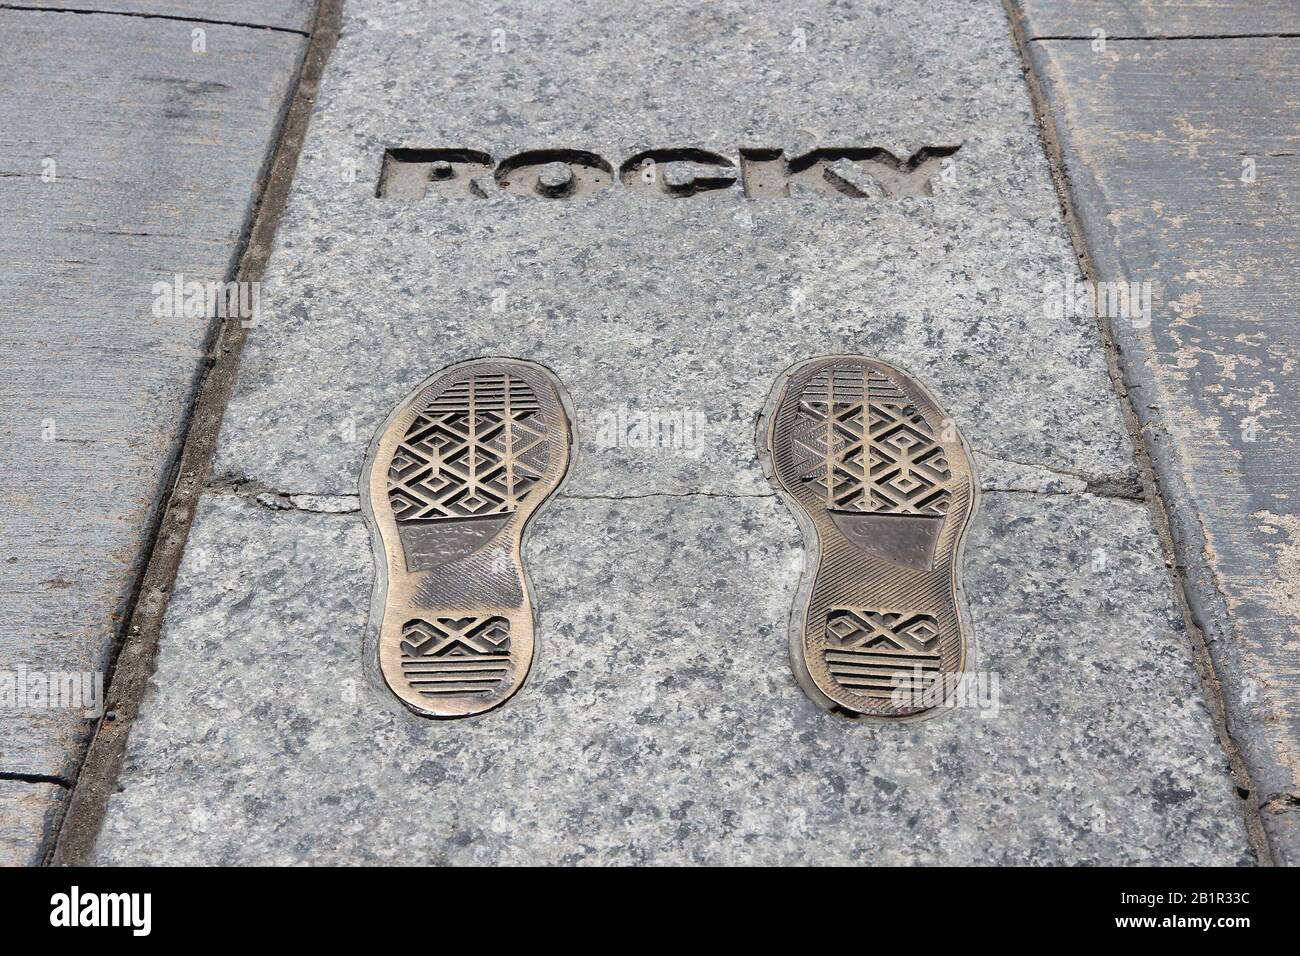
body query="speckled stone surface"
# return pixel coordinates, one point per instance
(26, 812)
(690, 306)
(661, 723)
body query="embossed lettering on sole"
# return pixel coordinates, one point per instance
(451, 481)
(884, 487)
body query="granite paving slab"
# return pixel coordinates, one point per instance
(691, 306)
(662, 723)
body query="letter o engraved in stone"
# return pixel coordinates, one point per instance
(555, 174)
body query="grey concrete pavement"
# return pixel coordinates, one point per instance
(292, 15)
(1157, 19)
(1179, 144)
(131, 152)
(663, 723)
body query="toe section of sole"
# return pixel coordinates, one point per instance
(451, 482)
(884, 487)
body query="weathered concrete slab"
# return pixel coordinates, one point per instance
(661, 723)
(116, 173)
(293, 15)
(26, 812)
(1157, 18)
(1184, 172)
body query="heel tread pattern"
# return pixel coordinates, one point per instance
(456, 657)
(882, 653)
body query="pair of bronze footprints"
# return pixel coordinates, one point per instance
(882, 484)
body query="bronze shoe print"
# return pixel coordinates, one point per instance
(449, 486)
(884, 488)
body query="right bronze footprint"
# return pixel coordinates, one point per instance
(884, 487)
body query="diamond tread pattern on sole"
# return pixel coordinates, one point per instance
(477, 449)
(868, 447)
(865, 452)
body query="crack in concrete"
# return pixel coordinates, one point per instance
(1063, 472)
(1060, 494)
(28, 8)
(311, 502)
(1111, 487)
(668, 494)
(275, 499)
(19, 777)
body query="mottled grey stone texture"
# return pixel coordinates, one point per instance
(26, 812)
(661, 722)
(648, 302)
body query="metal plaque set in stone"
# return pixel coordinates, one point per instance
(880, 480)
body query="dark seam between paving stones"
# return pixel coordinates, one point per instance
(75, 832)
(35, 778)
(1189, 601)
(153, 16)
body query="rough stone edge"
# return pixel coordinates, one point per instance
(129, 674)
(1198, 597)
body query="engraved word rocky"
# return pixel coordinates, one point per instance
(853, 172)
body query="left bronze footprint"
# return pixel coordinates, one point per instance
(450, 484)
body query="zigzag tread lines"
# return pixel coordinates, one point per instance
(477, 448)
(858, 439)
(444, 656)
